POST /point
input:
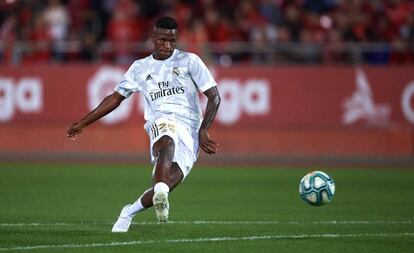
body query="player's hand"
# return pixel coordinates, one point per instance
(206, 143)
(73, 130)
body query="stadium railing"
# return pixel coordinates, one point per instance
(223, 53)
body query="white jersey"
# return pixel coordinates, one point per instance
(170, 87)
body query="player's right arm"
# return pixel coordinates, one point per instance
(108, 104)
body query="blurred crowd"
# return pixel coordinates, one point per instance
(320, 31)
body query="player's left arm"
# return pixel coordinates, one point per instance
(206, 143)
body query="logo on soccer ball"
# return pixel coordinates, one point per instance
(317, 188)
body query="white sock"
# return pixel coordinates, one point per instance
(161, 187)
(135, 208)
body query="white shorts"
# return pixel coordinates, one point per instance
(185, 141)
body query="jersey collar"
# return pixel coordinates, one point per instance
(172, 55)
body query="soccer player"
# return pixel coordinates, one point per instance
(170, 80)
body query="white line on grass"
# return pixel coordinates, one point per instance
(206, 239)
(205, 222)
(35, 224)
(273, 222)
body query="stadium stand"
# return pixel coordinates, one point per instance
(225, 31)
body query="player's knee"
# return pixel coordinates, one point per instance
(167, 141)
(164, 149)
(166, 144)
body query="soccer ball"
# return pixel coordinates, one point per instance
(317, 188)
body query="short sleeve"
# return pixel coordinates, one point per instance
(129, 83)
(200, 74)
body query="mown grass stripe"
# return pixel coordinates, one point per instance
(206, 222)
(207, 239)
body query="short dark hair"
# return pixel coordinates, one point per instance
(166, 23)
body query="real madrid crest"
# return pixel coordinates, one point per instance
(176, 71)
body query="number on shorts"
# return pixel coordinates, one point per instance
(161, 128)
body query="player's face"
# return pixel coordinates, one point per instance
(164, 42)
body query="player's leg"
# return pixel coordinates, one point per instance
(145, 201)
(163, 151)
(175, 178)
(167, 175)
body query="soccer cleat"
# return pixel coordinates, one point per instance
(161, 205)
(123, 222)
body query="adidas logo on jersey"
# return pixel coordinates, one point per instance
(149, 77)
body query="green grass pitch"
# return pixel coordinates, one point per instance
(71, 208)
